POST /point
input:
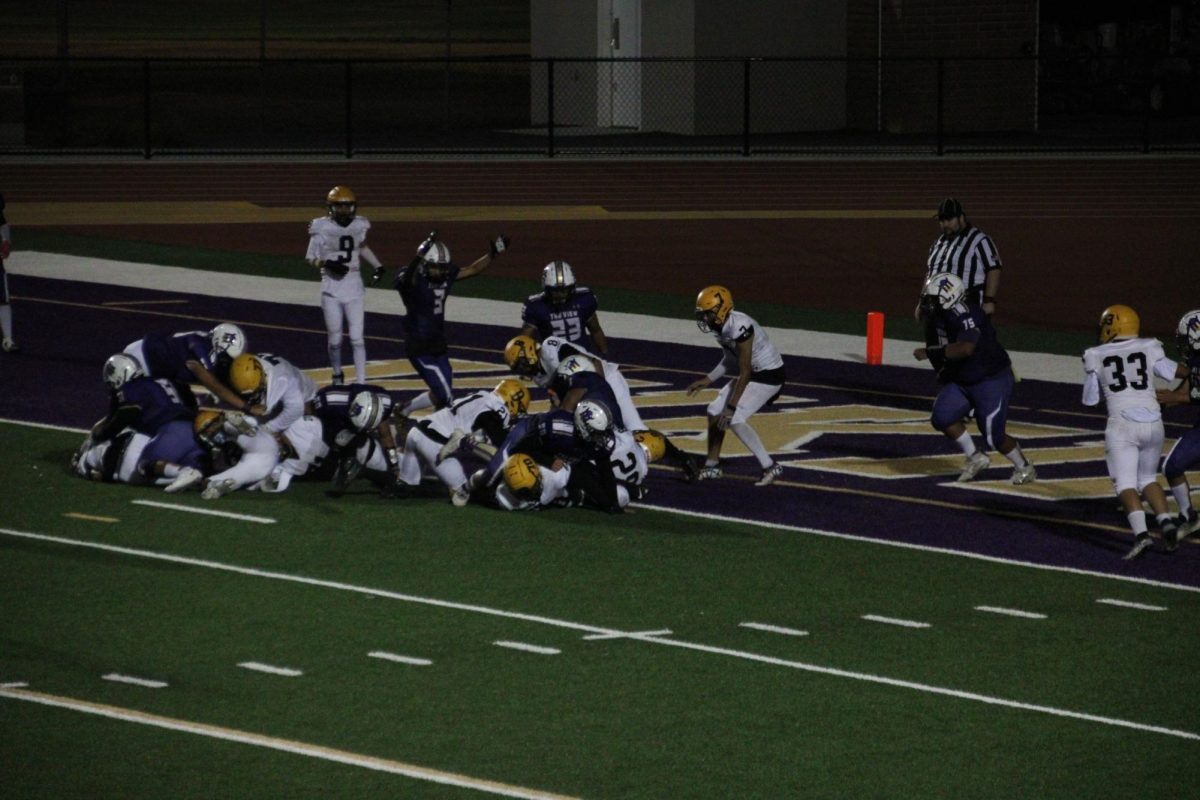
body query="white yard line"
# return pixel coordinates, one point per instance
(16, 685)
(595, 637)
(1011, 612)
(209, 512)
(119, 678)
(257, 666)
(529, 648)
(416, 662)
(1126, 604)
(561, 623)
(293, 747)
(903, 623)
(762, 626)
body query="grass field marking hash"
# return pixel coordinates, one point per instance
(208, 511)
(258, 666)
(762, 626)
(117, 677)
(1126, 604)
(1011, 612)
(89, 517)
(386, 656)
(596, 637)
(283, 745)
(741, 654)
(903, 623)
(528, 648)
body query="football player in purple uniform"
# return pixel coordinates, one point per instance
(7, 343)
(1185, 454)
(193, 356)
(564, 310)
(424, 286)
(975, 375)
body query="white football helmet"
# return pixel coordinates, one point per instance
(943, 290)
(433, 259)
(366, 411)
(594, 423)
(1187, 334)
(227, 339)
(120, 369)
(574, 364)
(558, 281)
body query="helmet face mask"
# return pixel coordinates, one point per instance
(119, 369)
(942, 290)
(342, 205)
(366, 411)
(521, 356)
(1117, 322)
(1187, 335)
(514, 395)
(558, 282)
(522, 476)
(713, 305)
(246, 377)
(594, 423)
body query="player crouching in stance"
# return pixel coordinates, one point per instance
(746, 349)
(975, 375)
(1122, 368)
(1185, 454)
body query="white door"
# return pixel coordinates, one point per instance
(620, 95)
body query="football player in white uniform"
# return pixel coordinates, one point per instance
(336, 244)
(1122, 368)
(282, 438)
(748, 352)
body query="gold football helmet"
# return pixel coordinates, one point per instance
(713, 305)
(1118, 322)
(522, 476)
(209, 426)
(521, 355)
(653, 442)
(246, 375)
(342, 204)
(514, 395)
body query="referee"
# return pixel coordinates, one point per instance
(967, 252)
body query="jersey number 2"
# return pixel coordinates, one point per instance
(1137, 361)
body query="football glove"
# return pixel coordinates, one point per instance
(377, 275)
(498, 245)
(336, 269)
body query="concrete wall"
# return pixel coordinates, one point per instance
(564, 29)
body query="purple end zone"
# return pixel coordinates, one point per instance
(66, 333)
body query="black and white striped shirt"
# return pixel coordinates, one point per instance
(969, 254)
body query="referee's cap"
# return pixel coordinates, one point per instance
(949, 208)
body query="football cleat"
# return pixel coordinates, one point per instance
(460, 496)
(1170, 533)
(1024, 475)
(187, 477)
(709, 473)
(10, 346)
(217, 489)
(770, 474)
(977, 462)
(346, 471)
(1140, 545)
(337, 379)
(1188, 523)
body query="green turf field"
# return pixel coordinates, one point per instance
(1089, 701)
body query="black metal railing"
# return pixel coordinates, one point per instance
(596, 107)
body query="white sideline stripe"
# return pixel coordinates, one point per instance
(208, 511)
(595, 637)
(284, 745)
(1126, 604)
(42, 425)
(259, 667)
(119, 678)
(904, 623)
(762, 626)
(529, 648)
(817, 532)
(925, 687)
(594, 629)
(17, 685)
(1011, 612)
(850, 537)
(419, 662)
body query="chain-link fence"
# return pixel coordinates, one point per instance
(596, 107)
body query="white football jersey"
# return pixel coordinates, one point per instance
(461, 415)
(550, 356)
(328, 240)
(763, 354)
(554, 490)
(629, 462)
(1123, 371)
(288, 389)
